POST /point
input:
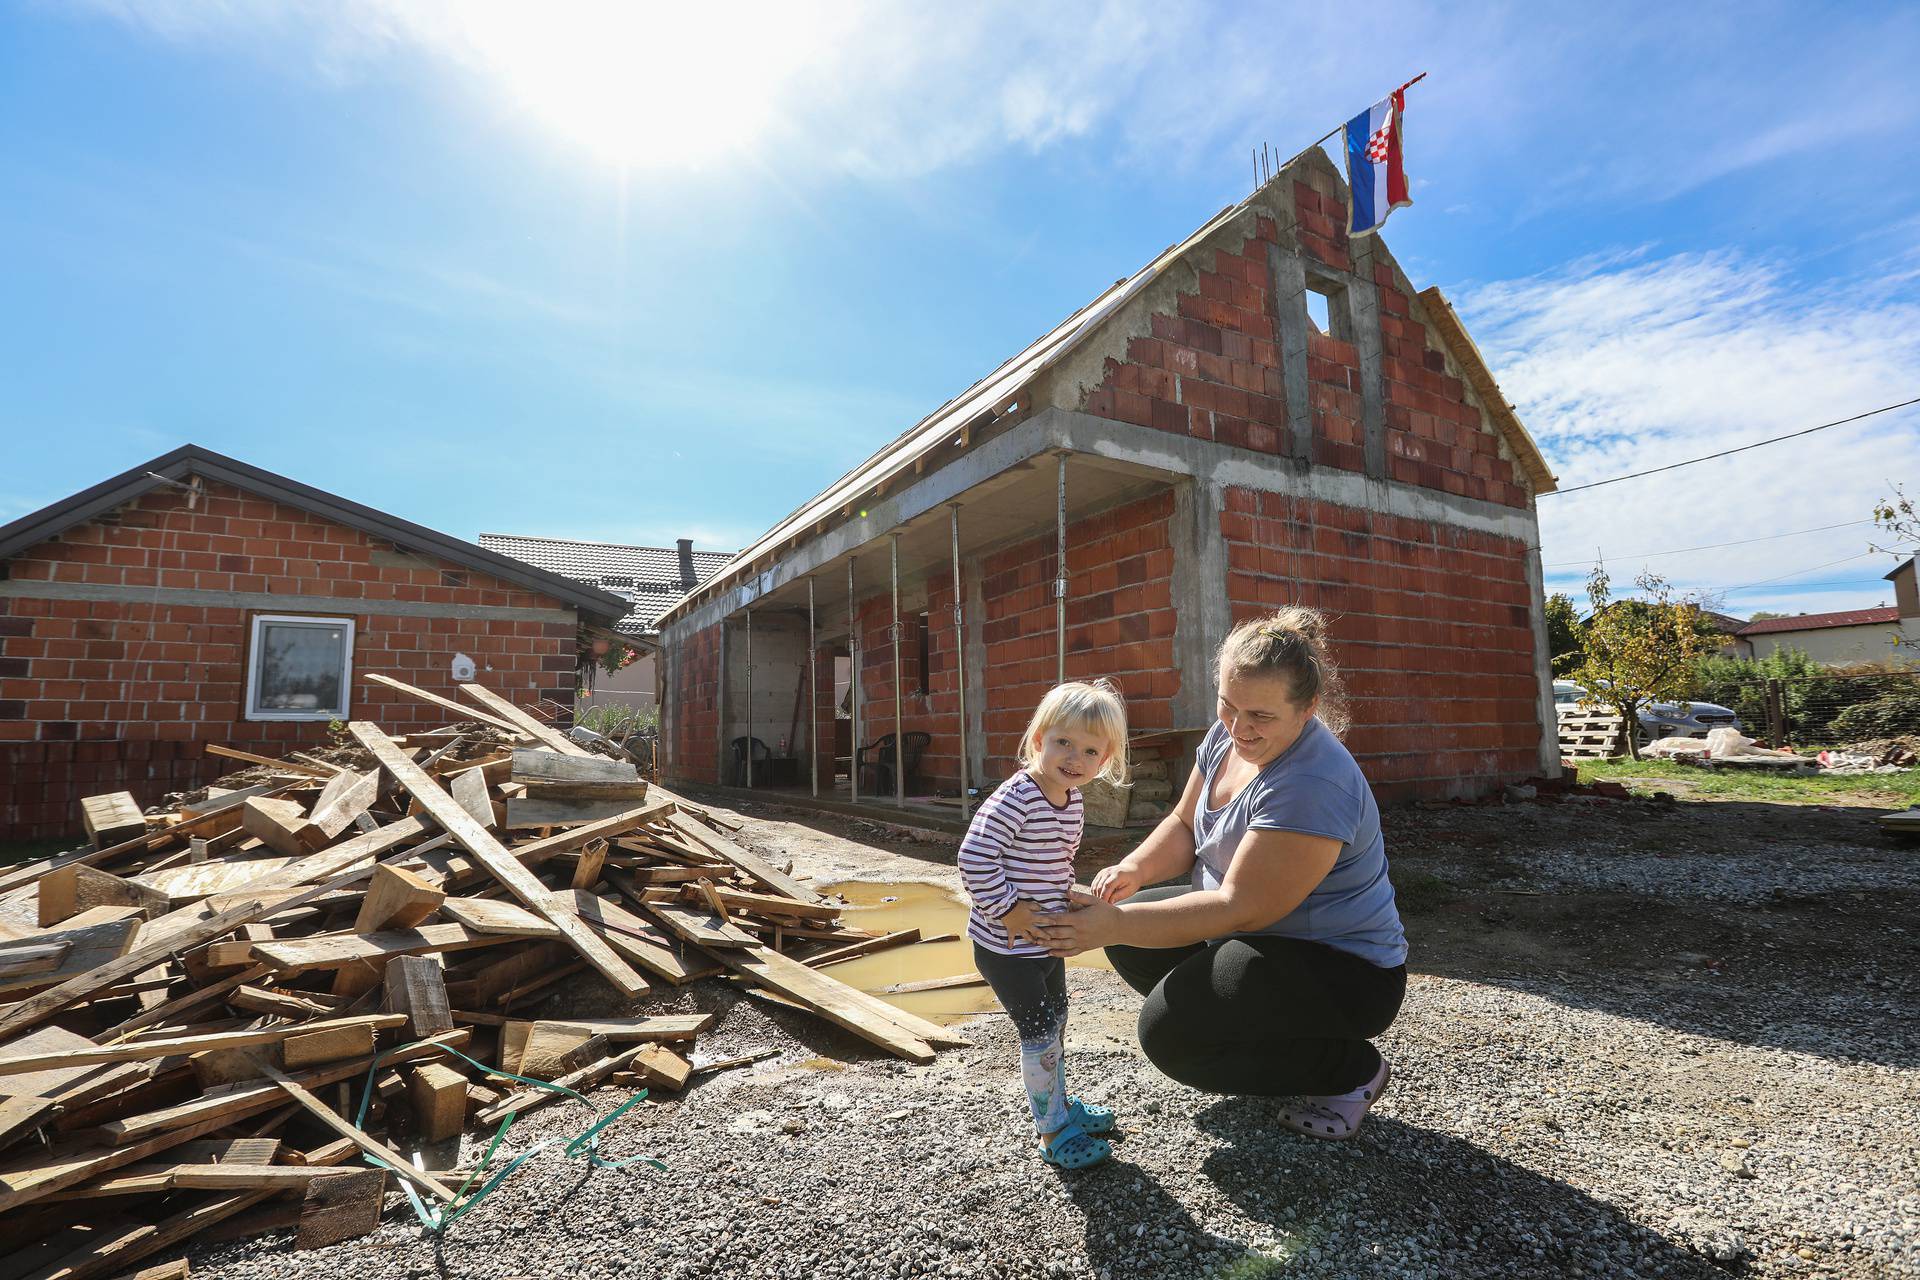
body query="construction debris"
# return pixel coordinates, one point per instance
(285, 991)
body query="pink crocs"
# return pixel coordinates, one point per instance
(1336, 1117)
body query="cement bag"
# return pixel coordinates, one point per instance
(1725, 744)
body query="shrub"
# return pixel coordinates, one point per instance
(1887, 716)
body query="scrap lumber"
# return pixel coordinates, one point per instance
(494, 857)
(339, 1208)
(359, 1137)
(111, 818)
(755, 867)
(342, 950)
(525, 1100)
(282, 826)
(88, 947)
(438, 1095)
(527, 812)
(865, 947)
(352, 1040)
(25, 958)
(171, 1046)
(396, 899)
(522, 721)
(416, 986)
(445, 704)
(284, 766)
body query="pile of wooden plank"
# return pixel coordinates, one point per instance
(245, 1012)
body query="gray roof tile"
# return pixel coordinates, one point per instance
(649, 577)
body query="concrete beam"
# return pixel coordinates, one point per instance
(106, 593)
(1204, 615)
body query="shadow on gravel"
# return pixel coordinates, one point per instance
(1425, 1199)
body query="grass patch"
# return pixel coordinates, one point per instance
(1883, 790)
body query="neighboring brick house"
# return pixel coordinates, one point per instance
(650, 579)
(1886, 633)
(196, 599)
(1267, 413)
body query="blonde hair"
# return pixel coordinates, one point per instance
(1290, 644)
(1095, 706)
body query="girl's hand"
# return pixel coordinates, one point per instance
(1019, 922)
(1116, 883)
(1091, 923)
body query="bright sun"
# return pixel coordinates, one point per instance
(645, 84)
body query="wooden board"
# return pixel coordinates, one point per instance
(88, 948)
(112, 818)
(343, 1207)
(492, 856)
(535, 852)
(339, 950)
(866, 1016)
(366, 1142)
(438, 1095)
(491, 915)
(345, 798)
(530, 811)
(171, 1046)
(330, 1045)
(282, 826)
(531, 764)
(522, 721)
(699, 925)
(527, 1099)
(20, 959)
(447, 704)
(756, 868)
(183, 885)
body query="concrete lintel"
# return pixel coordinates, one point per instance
(1204, 614)
(1225, 465)
(107, 593)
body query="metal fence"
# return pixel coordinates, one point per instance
(1823, 709)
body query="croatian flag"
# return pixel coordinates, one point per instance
(1376, 173)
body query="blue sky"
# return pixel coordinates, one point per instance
(598, 275)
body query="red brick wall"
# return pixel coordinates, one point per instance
(99, 696)
(696, 707)
(1212, 369)
(1431, 626)
(1120, 622)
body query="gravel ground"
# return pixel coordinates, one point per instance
(1687, 1074)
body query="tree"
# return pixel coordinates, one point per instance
(1764, 614)
(1640, 650)
(1899, 518)
(1564, 638)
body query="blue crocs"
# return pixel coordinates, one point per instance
(1090, 1116)
(1074, 1148)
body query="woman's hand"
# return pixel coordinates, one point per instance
(1118, 882)
(1090, 923)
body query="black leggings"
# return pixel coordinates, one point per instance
(1260, 1015)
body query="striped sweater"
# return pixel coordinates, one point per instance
(1019, 846)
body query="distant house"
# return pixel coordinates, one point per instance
(197, 600)
(650, 579)
(1847, 636)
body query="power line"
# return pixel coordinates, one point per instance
(1712, 546)
(1797, 572)
(1724, 453)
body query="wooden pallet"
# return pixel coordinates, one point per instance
(1585, 736)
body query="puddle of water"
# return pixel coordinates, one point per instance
(935, 910)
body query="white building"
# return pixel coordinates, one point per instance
(1883, 634)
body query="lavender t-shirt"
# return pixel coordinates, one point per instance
(1313, 787)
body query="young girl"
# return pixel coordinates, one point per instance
(1017, 864)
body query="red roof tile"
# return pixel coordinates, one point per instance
(1820, 621)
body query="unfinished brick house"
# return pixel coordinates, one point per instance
(196, 600)
(1267, 413)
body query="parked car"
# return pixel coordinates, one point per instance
(1659, 719)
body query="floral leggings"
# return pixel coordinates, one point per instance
(1033, 989)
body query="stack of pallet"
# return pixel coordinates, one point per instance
(247, 1012)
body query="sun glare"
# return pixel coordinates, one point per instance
(646, 84)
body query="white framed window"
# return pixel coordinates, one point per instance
(299, 667)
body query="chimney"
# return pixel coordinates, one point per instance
(687, 581)
(1906, 590)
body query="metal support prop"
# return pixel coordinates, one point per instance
(1060, 582)
(960, 661)
(899, 736)
(749, 698)
(853, 684)
(813, 693)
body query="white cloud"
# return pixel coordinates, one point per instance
(1629, 361)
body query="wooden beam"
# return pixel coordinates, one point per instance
(497, 861)
(535, 852)
(344, 950)
(331, 1044)
(854, 950)
(282, 825)
(439, 1097)
(866, 1016)
(417, 987)
(447, 704)
(89, 946)
(396, 899)
(522, 721)
(284, 766)
(554, 767)
(111, 818)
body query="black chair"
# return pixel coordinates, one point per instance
(881, 763)
(760, 756)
